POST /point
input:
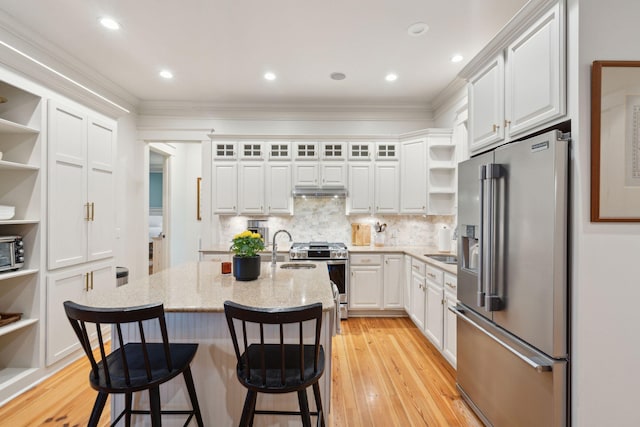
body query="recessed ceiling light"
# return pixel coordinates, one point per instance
(391, 77)
(269, 76)
(338, 76)
(109, 23)
(417, 29)
(456, 58)
(166, 74)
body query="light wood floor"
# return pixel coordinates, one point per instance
(385, 373)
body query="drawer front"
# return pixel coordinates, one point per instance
(451, 283)
(365, 259)
(435, 275)
(418, 266)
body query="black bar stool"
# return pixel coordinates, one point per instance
(135, 366)
(277, 367)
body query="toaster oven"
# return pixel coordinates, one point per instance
(11, 253)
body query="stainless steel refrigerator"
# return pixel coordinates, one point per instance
(513, 319)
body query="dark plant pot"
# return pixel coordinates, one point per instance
(246, 268)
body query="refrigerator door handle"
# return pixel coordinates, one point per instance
(481, 238)
(540, 367)
(492, 302)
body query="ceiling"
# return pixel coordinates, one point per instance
(219, 50)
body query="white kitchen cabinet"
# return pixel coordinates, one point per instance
(387, 185)
(225, 187)
(251, 150)
(81, 187)
(511, 96)
(305, 150)
(320, 174)
(279, 150)
(449, 344)
(393, 288)
(278, 189)
(441, 173)
(407, 279)
(72, 284)
(366, 284)
(251, 191)
(360, 197)
(435, 306)
(387, 150)
(224, 150)
(418, 294)
(413, 179)
(332, 150)
(360, 150)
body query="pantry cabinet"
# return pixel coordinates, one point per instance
(72, 284)
(523, 87)
(81, 186)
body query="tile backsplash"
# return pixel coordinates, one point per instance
(322, 219)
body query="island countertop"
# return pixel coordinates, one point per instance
(200, 287)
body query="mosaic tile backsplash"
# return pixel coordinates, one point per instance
(321, 219)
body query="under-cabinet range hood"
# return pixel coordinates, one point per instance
(336, 192)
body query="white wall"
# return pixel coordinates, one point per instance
(132, 201)
(185, 166)
(606, 271)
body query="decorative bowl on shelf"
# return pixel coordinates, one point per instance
(7, 318)
(7, 212)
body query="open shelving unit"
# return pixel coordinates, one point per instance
(21, 185)
(441, 173)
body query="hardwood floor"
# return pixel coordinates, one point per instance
(385, 373)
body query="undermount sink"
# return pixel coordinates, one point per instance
(447, 259)
(298, 265)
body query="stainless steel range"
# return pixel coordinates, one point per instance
(336, 256)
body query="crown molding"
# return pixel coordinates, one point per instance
(32, 55)
(525, 17)
(289, 112)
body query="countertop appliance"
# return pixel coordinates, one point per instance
(11, 253)
(513, 317)
(260, 227)
(336, 256)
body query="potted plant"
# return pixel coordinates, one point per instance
(246, 261)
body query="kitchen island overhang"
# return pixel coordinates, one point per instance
(193, 295)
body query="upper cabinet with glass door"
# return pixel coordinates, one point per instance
(359, 150)
(387, 150)
(224, 150)
(251, 150)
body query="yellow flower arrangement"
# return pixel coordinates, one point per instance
(247, 244)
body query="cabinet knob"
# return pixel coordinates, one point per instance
(507, 123)
(496, 127)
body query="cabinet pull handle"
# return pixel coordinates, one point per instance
(496, 127)
(433, 276)
(449, 285)
(92, 280)
(86, 282)
(93, 210)
(415, 267)
(507, 123)
(88, 215)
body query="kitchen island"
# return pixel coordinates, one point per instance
(193, 296)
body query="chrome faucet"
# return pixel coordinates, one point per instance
(274, 247)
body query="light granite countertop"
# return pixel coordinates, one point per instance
(415, 251)
(200, 287)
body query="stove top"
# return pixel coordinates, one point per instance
(318, 250)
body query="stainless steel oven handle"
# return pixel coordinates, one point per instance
(335, 261)
(535, 365)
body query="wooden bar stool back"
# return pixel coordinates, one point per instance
(134, 366)
(278, 367)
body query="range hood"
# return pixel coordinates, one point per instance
(336, 192)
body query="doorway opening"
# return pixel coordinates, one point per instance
(158, 203)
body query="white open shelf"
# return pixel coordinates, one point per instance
(7, 126)
(19, 221)
(4, 165)
(11, 327)
(18, 273)
(9, 375)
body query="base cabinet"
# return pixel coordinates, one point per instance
(393, 287)
(449, 343)
(377, 282)
(418, 293)
(365, 287)
(72, 284)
